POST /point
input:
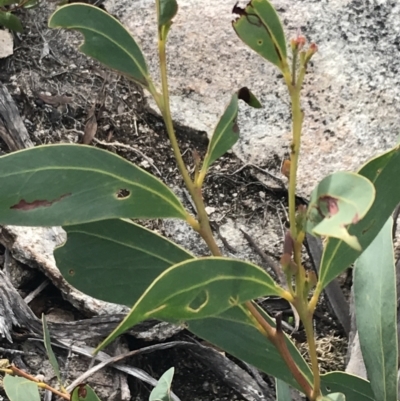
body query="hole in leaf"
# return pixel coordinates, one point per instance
(71, 272)
(259, 42)
(123, 194)
(328, 389)
(199, 302)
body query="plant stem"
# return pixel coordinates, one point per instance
(312, 350)
(203, 226)
(297, 118)
(40, 384)
(163, 104)
(278, 340)
(304, 309)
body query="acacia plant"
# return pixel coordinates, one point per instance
(77, 187)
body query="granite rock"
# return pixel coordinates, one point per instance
(351, 91)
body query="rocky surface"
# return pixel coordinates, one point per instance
(350, 95)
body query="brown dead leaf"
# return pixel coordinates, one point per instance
(55, 100)
(90, 127)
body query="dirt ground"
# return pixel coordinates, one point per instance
(60, 94)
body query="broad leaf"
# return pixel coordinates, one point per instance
(236, 333)
(197, 289)
(383, 172)
(226, 133)
(339, 200)
(258, 25)
(105, 39)
(70, 184)
(333, 397)
(20, 389)
(168, 10)
(376, 313)
(282, 391)
(49, 350)
(115, 260)
(10, 21)
(162, 391)
(83, 392)
(353, 387)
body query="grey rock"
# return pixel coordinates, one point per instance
(350, 96)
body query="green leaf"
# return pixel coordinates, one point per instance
(376, 313)
(353, 387)
(226, 133)
(168, 10)
(333, 397)
(282, 391)
(10, 21)
(196, 289)
(84, 393)
(162, 391)
(70, 184)
(119, 249)
(383, 171)
(49, 349)
(236, 333)
(105, 39)
(258, 26)
(339, 200)
(20, 389)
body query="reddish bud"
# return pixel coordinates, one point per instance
(310, 52)
(288, 244)
(298, 43)
(288, 266)
(285, 259)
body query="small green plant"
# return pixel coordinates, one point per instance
(21, 386)
(7, 9)
(162, 391)
(214, 296)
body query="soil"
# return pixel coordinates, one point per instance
(60, 93)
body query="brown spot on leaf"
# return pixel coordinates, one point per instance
(24, 205)
(331, 204)
(82, 392)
